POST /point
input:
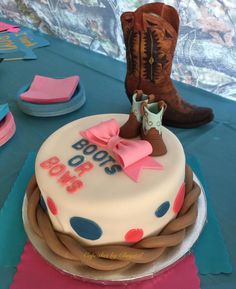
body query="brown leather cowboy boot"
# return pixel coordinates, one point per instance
(132, 127)
(150, 35)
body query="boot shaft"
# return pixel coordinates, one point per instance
(150, 35)
(152, 116)
(151, 130)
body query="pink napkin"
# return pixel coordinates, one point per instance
(34, 272)
(50, 90)
(8, 27)
(7, 128)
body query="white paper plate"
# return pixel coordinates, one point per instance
(133, 273)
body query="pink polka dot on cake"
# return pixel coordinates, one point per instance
(52, 206)
(134, 235)
(178, 203)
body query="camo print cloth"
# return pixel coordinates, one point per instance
(205, 55)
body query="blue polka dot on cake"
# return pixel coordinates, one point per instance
(86, 228)
(162, 209)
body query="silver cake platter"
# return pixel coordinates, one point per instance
(130, 274)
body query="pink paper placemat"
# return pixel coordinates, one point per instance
(33, 272)
(46, 90)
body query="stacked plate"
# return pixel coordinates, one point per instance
(46, 97)
(7, 124)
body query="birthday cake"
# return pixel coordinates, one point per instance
(94, 194)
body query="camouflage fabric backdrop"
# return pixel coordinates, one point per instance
(205, 55)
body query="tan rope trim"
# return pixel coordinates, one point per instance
(112, 257)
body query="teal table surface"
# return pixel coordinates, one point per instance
(213, 144)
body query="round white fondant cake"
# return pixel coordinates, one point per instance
(89, 196)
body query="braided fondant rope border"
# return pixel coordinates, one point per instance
(112, 257)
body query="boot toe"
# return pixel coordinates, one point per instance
(201, 115)
(196, 117)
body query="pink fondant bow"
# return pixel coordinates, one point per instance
(132, 155)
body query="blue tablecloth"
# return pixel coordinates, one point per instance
(213, 145)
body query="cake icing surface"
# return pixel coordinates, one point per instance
(88, 195)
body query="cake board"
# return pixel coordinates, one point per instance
(129, 274)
